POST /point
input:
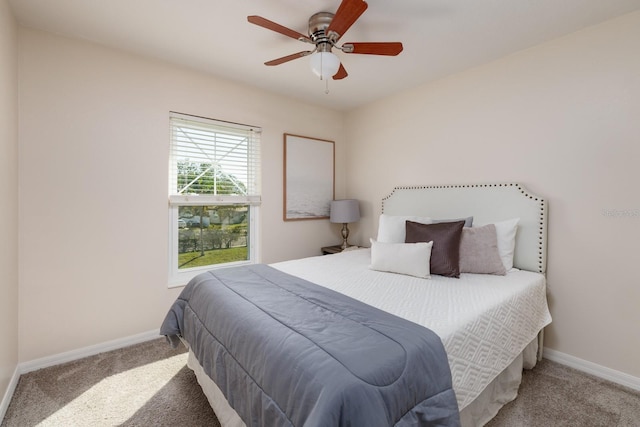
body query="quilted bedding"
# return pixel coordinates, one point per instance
(484, 321)
(286, 352)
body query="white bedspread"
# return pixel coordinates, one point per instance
(484, 321)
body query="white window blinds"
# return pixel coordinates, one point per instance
(213, 161)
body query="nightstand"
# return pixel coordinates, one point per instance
(327, 250)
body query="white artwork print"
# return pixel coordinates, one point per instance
(309, 187)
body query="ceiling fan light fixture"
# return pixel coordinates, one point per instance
(324, 64)
(325, 30)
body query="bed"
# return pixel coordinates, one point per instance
(489, 325)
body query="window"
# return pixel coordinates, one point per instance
(214, 195)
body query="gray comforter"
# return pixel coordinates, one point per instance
(287, 352)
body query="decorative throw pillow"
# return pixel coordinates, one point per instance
(479, 251)
(404, 258)
(391, 228)
(445, 254)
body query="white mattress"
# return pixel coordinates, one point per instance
(484, 321)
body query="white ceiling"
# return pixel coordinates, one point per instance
(440, 37)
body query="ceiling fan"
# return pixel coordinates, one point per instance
(325, 29)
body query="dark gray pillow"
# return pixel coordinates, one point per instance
(479, 251)
(445, 253)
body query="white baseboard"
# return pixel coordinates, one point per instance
(593, 369)
(92, 350)
(11, 388)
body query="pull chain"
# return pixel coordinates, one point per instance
(322, 77)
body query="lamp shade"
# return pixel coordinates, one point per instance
(324, 64)
(344, 211)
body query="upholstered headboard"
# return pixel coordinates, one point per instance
(487, 203)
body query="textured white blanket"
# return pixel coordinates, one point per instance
(484, 321)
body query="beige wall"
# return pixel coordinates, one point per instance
(93, 194)
(9, 195)
(561, 118)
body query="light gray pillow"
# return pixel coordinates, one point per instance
(479, 251)
(468, 221)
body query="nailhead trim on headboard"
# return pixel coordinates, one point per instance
(541, 201)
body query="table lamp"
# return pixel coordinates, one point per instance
(344, 211)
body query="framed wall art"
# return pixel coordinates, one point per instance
(308, 177)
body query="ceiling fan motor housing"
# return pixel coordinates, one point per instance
(318, 24)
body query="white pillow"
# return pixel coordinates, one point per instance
(392, 228)
(404, 258)
(506, 234)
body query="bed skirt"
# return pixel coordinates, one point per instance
(502, 390)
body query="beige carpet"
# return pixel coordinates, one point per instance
(555, 395)
(149, 385)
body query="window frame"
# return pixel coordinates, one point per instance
(180, 277)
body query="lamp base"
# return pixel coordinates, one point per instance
(345, 236)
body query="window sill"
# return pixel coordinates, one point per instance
(181, 279)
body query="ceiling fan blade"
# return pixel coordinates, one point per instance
(373, 48)
(270, 25)
(288, 58)
(341, 74)
(348, 12)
